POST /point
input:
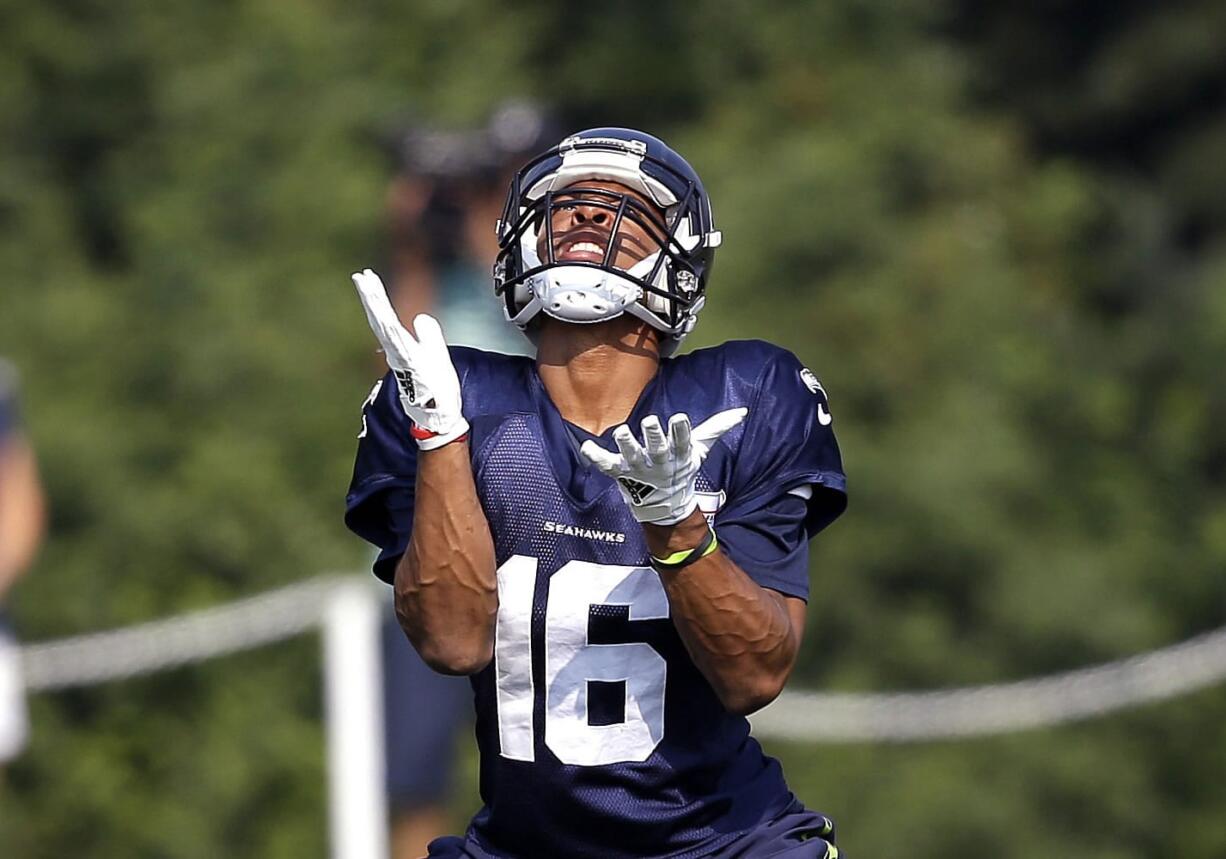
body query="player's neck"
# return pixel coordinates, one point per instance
(595, 373)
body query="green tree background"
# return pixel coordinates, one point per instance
(997, 231)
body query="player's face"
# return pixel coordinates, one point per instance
(582, 220)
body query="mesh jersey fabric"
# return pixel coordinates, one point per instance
(598, 735)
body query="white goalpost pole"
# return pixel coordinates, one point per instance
(353, 715)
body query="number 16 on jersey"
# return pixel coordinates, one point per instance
(571, 662)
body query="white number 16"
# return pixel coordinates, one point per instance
(571, 662)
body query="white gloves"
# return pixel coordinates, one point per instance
(657, 478)
(427, 381)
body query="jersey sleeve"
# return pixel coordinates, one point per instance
(379, 505)
(10, 422)
(787, 481)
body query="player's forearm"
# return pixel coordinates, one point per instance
(446, 583)
(22, 512)
(739, 634)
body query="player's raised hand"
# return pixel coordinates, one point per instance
(425, 377)
(657, 477)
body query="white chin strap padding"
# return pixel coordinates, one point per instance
(582, 294)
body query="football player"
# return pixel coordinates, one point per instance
(610, 540)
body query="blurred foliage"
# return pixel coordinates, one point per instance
(996, 230)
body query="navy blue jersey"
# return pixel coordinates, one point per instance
(9, 426)
(8, 401)
(598, 735)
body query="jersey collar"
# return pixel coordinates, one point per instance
(583, 484)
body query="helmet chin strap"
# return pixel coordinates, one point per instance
(584, 295)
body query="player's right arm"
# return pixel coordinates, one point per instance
(445, 583)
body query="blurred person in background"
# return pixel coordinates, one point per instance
(442, 204)
(21, 531)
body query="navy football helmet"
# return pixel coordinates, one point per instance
(668, 218)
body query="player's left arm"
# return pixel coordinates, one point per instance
(737, 592)
(743, 637)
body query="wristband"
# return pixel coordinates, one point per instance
(680, 560)
(421, 434)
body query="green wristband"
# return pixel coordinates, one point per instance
(679, 560)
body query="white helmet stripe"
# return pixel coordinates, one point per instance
(584, 164)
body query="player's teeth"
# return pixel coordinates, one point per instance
(581, 247)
